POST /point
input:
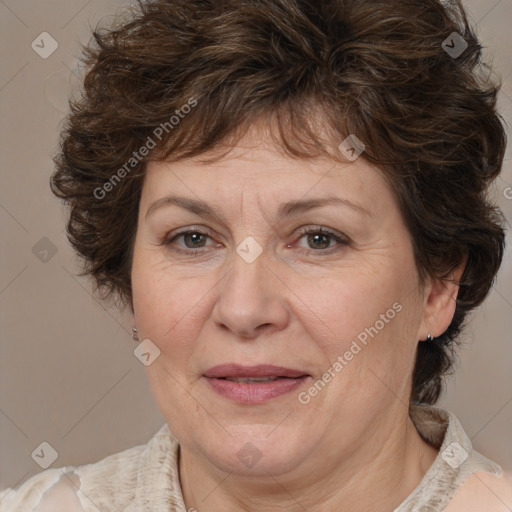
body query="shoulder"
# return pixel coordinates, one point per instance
(483, 492)
(119, 482)
(62, 496)
(43, 490)
(63, 489)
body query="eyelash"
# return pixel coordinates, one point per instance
(302, 232)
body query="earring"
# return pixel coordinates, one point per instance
(429, 337)
(135, 334)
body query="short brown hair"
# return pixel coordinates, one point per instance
(374, 69)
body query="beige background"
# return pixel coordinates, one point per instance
(67, 372)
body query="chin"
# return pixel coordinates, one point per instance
(257, 454)
(256, 463)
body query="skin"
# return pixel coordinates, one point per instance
(298, 305)
(485, 493)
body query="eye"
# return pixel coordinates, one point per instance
(321, 239)
(193, 239)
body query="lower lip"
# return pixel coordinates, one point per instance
(255, 393)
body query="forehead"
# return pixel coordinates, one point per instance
(262, 174)
(256, 171)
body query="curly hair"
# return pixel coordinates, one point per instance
(175, 79)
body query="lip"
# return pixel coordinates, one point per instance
(254, 393)
(261, 370)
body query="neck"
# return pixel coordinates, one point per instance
(378, 475)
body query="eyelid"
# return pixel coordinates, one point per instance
(189, 229)
(321, 229)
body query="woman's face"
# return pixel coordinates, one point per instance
(250, 289)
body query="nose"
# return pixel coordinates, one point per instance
(251, 300)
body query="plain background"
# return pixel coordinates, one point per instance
(68, 375)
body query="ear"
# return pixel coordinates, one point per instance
(439, 304)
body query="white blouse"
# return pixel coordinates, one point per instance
(145, 478)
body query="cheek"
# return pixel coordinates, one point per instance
(350, 303)
(170, 310)
(369, 321)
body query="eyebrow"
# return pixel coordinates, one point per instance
(288, 209)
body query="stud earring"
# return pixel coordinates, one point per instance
(135, 334)
(429, 337)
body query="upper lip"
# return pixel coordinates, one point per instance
(261, 370)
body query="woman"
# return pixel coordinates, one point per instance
(290, 196)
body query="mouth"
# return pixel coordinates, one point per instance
(254, 384)
(249, 380)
